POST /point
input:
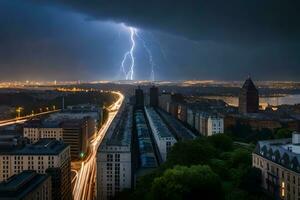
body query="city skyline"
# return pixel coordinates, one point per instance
(73, 40)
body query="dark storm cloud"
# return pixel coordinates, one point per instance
(233, 20)
(205, 39)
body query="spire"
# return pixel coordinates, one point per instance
(249, 85)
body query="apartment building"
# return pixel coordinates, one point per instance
(162, 135)
(27, 185)
(279, 161)
(114, 168)
(35, 130)
(45, 156)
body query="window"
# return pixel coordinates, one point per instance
(117, 157)
(109, 157)
(168, 146)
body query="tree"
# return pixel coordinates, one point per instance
(221, 141)
(251, 181)
(187, 183)
(283, 133)
(191, 152)
(219, 167)
(240, 158)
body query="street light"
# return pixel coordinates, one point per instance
(19, 110)
(53, 107)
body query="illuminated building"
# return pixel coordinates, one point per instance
(35, 130)
(279, 162)
(45, 156)
(248, 98)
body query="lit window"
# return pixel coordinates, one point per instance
(282, 189)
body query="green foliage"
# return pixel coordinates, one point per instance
(282, 133)
(251, 181)
(208, 166)
(240, 158)
(191, 152)
(221, 141)
(187, 183)
(220, 167)
(244, 133)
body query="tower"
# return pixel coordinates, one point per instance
(154, 96)
(248, 98)
(139, 97)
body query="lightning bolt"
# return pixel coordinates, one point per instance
(128, 74)
(152, 64)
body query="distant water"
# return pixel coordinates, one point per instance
(263, 101)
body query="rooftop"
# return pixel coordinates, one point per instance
(119, 133)
(44, 146)
(285, 152)
(249, 85)
(146, 151)
(19, 186)
(158, 123)
(180, 131)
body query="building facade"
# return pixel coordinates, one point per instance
(162, 135)
(45, 156)
(114, 170)
(75, 134)
(139, 98)
(34, 134)
(215, 125)
(248, 98)
(279, 162)
(154, 96)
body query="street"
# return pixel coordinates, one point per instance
(84, 180)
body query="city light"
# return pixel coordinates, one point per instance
(83, 189)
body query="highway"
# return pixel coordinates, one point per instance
(20, 120)
(85, 178)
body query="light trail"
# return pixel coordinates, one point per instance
(129, 73)
(84, 183)
(24, 119)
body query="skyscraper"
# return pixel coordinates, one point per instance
(154, 96)
(248, 98)
(139, 98)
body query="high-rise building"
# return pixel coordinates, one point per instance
(114, 170)
(248, 98)
(139, 98)
(279, 161)
(76, 134)
(26, 185)
(154, 96)
(45, 156)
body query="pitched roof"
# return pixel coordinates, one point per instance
(249, 85)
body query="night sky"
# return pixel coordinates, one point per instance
(189, 39)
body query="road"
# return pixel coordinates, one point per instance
(25, 118)
(85, 178)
